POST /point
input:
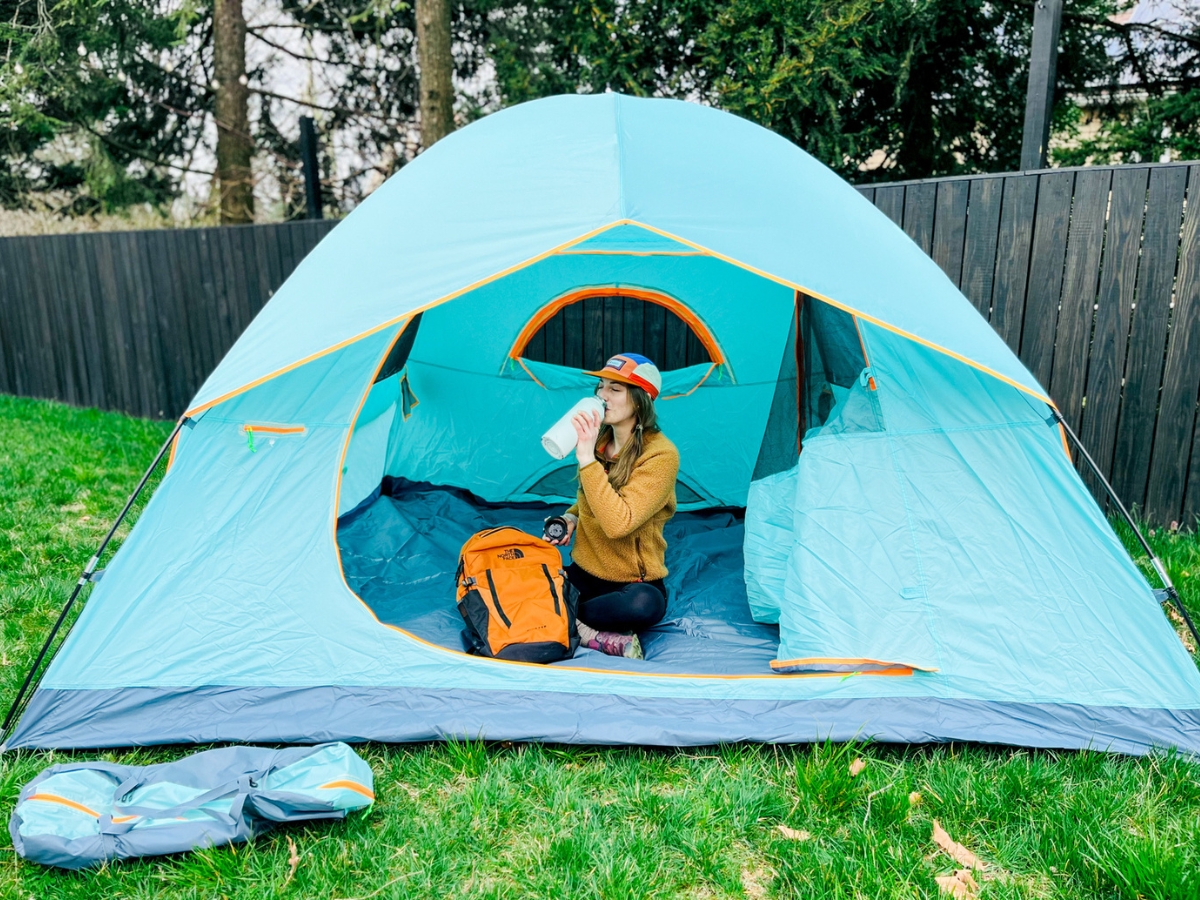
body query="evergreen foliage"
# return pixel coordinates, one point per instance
(109, 104)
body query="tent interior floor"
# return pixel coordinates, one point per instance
(400, 551)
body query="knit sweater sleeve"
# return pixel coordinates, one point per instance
(620, 513)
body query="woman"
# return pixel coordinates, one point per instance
(627, 470)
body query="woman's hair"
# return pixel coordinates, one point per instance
(646, 421)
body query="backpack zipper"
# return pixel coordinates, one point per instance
(496, 600)
(553, 590)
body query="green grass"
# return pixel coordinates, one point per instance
(475, 820)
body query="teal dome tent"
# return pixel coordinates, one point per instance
(881, 533)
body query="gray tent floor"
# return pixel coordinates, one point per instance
(400, 552)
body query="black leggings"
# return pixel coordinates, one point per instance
(616, 606)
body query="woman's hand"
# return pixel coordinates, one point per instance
(587, 429)
(566, 538)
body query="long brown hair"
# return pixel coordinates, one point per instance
(645, 422)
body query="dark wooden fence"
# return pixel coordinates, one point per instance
(135, 320)
(1091, 275)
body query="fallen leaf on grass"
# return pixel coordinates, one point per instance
(915, 798)
(857, 766)
(954, 849)
(293, 862)
(793, 835)
(959, 885)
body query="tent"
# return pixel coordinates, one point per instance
(882, 534)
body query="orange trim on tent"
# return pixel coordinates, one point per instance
(633, 253)
(174, 448)
(866, 358)
(891, 672)
(846, 661)
(528, 372)
(1062, 432)
(63, 801)
(348, 785)
(273, 429)
(711, 368)
(547, 312)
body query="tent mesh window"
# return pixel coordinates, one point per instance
(584, 334)
(824, 352)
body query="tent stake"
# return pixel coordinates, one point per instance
(89, 570)
(1168, 585)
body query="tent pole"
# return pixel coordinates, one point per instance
(89, 570)
(1168, 585)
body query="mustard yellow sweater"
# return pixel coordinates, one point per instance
(620, 533)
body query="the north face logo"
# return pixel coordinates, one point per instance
(511, 553)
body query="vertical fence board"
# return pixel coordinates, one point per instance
(950, 228)
(1012, 257)
(1170, 491)
(675, 351)
(1118, 275)
(656, 332)
(1147, 337)
(633, 336)
(10, 306)
(919, 207)
(554, 339)
(593, 332)
(979, 252)
(48, 366)
(890, 201)
(1080, 277)
(573, 336)
(1046, 273)
(115, 335)
(90, 313)
(62, 299)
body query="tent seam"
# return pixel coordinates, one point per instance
(620, 156)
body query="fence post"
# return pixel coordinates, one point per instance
(312, 175)
(1039, 101)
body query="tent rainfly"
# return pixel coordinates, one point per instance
(881, 532)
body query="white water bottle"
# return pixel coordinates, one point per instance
(561, 438)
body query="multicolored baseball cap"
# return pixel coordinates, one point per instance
(635, 369)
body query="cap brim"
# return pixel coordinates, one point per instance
(613, 375)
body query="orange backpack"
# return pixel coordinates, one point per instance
(514, 596)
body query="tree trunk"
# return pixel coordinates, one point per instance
(234, 144)
(436, 65)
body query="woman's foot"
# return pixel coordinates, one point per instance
(614, 644)
(611, 642)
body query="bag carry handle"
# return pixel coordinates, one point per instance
(244, 785)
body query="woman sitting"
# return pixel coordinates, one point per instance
(627, 470)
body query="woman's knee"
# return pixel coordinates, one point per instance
(645, 602)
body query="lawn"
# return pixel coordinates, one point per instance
(483, 820)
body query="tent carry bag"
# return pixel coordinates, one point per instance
(81, 814)
(515, 598)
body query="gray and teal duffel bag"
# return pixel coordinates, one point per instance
(79, 814)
